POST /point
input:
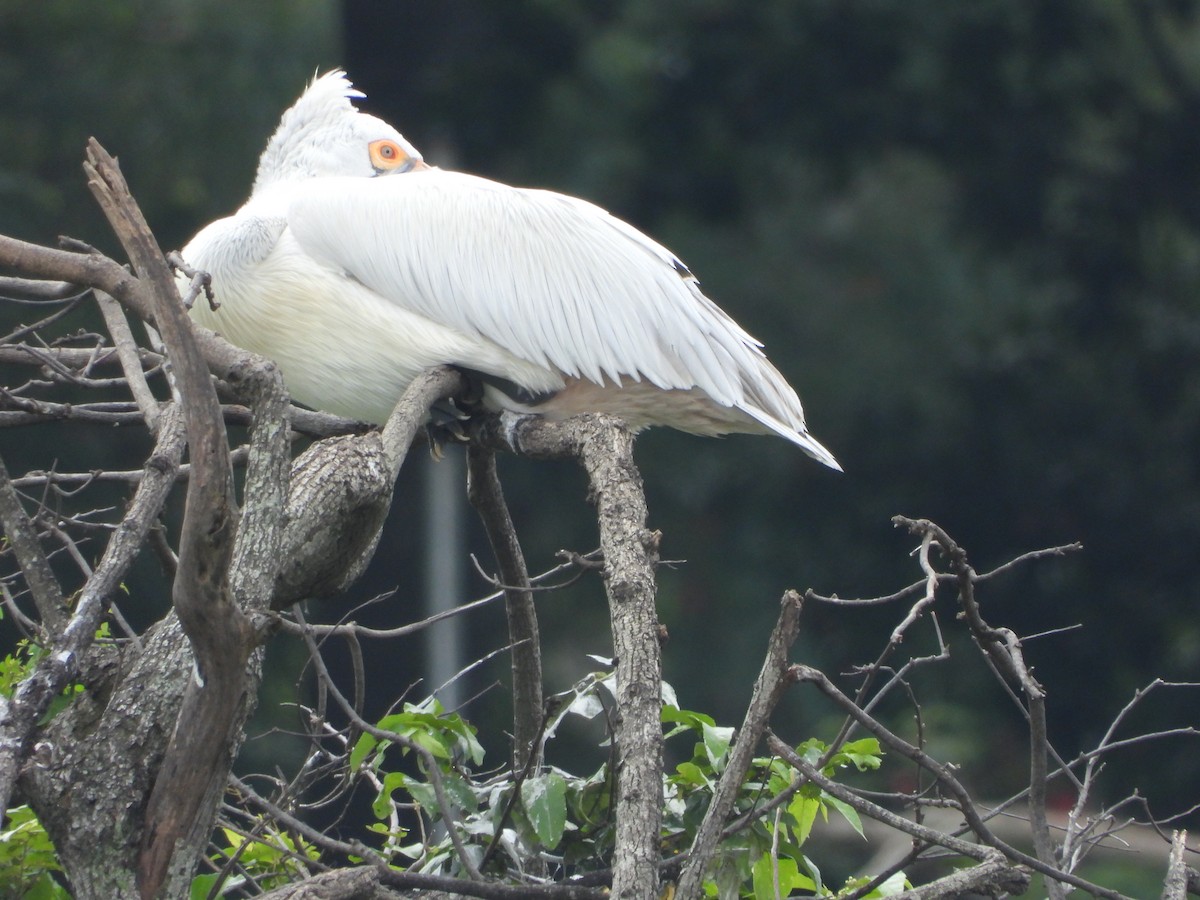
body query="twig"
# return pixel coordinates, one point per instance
(1004, 649)
(38, 290)
(874, 810)
(427, 759)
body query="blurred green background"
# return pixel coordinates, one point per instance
(968, 233)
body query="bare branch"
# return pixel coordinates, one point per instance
(605, 448)
(127, 352)
(874, 810)
(37, 290)
(486, 495)
(60, 666)
(47, 594)
(1175, 887)
(992, 877)
(220, 634)
(772, 680)
(349, 479)
(427, 759)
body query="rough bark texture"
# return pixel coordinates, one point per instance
(108, 752)
(605, 448)
(341, 494)
(347, 480)
(630, 554)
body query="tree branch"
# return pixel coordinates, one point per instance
(220, 634)
(1004, 649)
(486, 495)
(992, 877)
(348, 480)
(43, 586)
(1175, 886)
(773, 679)
(605, 448)
(61, 665)
(131, 364)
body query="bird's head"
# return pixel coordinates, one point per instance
(323, 134)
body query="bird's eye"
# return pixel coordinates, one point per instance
(387, 155)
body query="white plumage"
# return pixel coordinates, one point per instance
(354, 282)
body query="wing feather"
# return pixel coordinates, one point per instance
(553, 279)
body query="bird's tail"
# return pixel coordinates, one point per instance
(798, 436)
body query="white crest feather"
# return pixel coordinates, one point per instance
(325, 101)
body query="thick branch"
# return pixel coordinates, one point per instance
(1175, 885)
(220, 634)
(605, 448)
(341, 491)
(993, 877)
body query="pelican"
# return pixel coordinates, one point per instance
(355, 265)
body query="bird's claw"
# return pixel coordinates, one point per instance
(447, 423)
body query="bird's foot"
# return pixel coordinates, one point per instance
(447, 424)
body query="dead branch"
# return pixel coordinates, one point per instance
(992, 877)
(486, 495)
(605, 448)
(768, 689)
(220, 634)
(131, 364)
(59, 667)
(445, 809)
(1175, 886)
(1004, 650)
(47, 594)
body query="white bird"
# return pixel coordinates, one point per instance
(355, 265)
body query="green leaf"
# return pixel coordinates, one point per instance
(687, 718)
(202, 885)
(362, 748)
(421, 793)
(790, 878)
(691, 774)
(382, 805)
(897, 884)
(804, 811)
(864, 754)
(848, 813)
(545, 800)
(46, 888)
(716, 743)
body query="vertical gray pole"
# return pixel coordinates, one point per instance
(445, 566)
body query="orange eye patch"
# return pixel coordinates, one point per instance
(387, 154)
